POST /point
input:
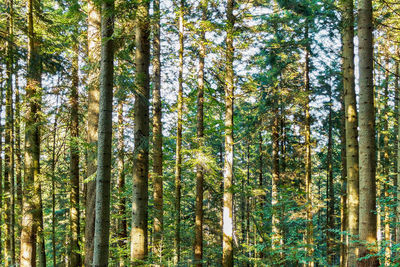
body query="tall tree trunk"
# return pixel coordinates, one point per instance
(343, 191)
(398, 149)
(122, 222)
(31, 200)
(141, 155)
(103, 180)
(308, 177)
(93, 38)
(1, 164)
(227, 246)
(367, 216)
(157, 137)
(75, 257)
(178, 167)
(275, 235)
(198, 243)
(351, 124)
(9, 145)
(330, 220)
(386, 166)
(53, 187)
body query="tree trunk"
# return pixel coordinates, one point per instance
(386, 166)
(157, 137)
(307, 137)
(198, 243)
(75, 257)
(9, 147)
(53, 187)
(351, 124)
(367, 216)
(178, 167)
(93, 38)
(330, 222)
(227, 246)
(275, 235)
(1, 162)
(343, 191)
(141, 154)
(103, 180)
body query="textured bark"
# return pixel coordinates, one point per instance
(31, 207)
(8, 192)
(227, 246)
(93, 37)
(351, 124)
(386, 166)
(18, 160)
(74, 255)
(198, 243)
(158, 224)
(398, 150)
(122, 230)
(103, 179)
(141, 154)
(178, 167)
(367, 207)
(307, 138)
(53, 188)
(275, 233)
(330, 220)
(343, 191)
(1, 163)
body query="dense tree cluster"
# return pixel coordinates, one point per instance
(199, 133)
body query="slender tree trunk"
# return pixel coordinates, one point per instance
(103, 180)
(198, 243)
(157, 137)
(386, 166)
(141, 154)
(93, 37)
(330, 224)
(122, 222)
(227, 246)
(18, 160)
(343, 190)
(398, 150)
(367, 219)
(178, 167)
(8, 142)
(75, 257)
(53, 188)
(276, 236)
(308, 178)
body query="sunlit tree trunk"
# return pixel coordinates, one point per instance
(367, 216)
(307, 137)
(351, 124)
(157, 137)
(343, 191)
(31, 200)
(93, 38)
(227, 246)
(1, 164)
(178, 167)
(139, 247)
(103, 179)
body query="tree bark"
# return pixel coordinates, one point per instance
(9, 146)
(178, 167)
(367, 206)
(103, 180)
(351, 124)
(31, 200)
(93, 37)
(157, 137)
(139, 246)
(74, 216)
(330, 222)
(198, 243)
(227, 246)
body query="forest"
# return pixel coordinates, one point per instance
(199, 133)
